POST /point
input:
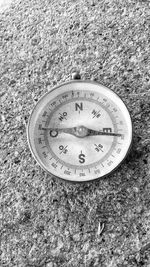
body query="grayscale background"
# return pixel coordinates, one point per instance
(45, 222)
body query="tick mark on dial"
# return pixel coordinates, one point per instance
(108, 106)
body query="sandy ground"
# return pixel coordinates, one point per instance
(46, 222)
(4, 4)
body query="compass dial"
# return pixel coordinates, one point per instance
(80, 131)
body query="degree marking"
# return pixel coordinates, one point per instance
(103, 103)
(108, 106)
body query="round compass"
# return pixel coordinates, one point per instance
(80, 131)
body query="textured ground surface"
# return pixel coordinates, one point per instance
(4, 4)
(46, 222)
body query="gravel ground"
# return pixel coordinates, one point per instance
(46, 222)
(4, 4)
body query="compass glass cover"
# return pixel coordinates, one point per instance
(80, 131)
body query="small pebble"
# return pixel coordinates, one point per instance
(16, 154)
(49, 264)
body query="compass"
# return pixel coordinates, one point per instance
(80, 131)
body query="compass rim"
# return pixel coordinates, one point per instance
(62, 178)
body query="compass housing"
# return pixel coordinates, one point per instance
(80, 131)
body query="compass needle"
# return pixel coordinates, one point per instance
(80, 131)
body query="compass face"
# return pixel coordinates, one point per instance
(80, 131)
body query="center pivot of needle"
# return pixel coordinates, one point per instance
(80, 131)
